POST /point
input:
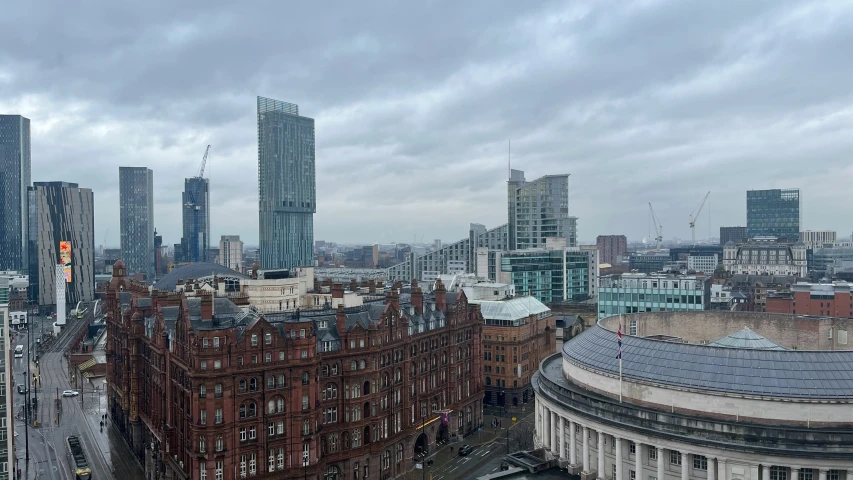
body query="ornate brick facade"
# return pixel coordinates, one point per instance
(202, 389)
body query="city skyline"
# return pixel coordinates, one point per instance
(395, 101)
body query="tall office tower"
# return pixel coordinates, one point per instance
(196, 213)
(539, 209)
(774, 213)
(231, 252)
(286, 185)
(136, 197)
(611, 247)
(14, 180)
(7, 449)
(61, 212)
(734, 234)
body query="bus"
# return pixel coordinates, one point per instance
(77, 460)
(19, 351)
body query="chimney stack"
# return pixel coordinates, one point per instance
(316, 284)
(206, 306)
(371, 286)
(353, 285)
(440, 296)
(417, 298)
(393, 298)
(341, 321)
(338, 291)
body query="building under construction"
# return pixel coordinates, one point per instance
(195, 207)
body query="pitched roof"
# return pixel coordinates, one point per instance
(746, 338)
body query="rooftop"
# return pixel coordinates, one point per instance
(196, 271)
(748, 339)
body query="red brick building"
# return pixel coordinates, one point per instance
(611, 247)
(818, 299)
(204, 390)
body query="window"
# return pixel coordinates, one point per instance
(353, 365)
(334, 369)
(301, 333)
(254, 339)
(220, 443)
(306, 427)
(281, 380)
(653, 453)
(215, 342)
(304, 354)
(242, 434)
(270, 381)
(202, 444)
(220, 466)
(217, 390)
(203, 364)
(701, 463)
(204, 342)
(271, 429)
(281, 355)
(304, 402)
(202, 391)
(330, 392)
(202, 470)
(218, 416)
(632, 475)
(253, 433)
(202, 419)
(777, 473)
(268, 357)
(268, 338)
(674, 457)
(304, 378)
(217, 364)
(632, 329)
(632, 447)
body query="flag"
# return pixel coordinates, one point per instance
(619, 340)
(444, 418)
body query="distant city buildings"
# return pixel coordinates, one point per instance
(706, 264)
(816, 299)
(537, 210)
(14, 181)
(61, 212)
(766, 256)
(136, 216)
(286, 185)
(733, 234)
(195, 243)
(818, 238)
(611, 247)
(774, 213)
(657, 292)
(231, 252)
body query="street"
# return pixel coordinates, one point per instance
(106, 451)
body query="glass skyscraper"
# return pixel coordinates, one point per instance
(61, 211)
(286, 185)
(196, 208)
(773, 213)
(136, 215)
(537, 210)
(14, 181)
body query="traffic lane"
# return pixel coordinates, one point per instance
(460, 466)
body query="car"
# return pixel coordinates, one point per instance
(70, 393)
(465, 450)
(22, 389)
(38, 339)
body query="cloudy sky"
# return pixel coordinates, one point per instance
(414, 102)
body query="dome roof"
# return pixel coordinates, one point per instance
(197, 271)
(746, 338)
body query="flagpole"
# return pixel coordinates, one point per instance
(620, 357)
(620, 380)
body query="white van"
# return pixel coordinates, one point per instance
(19, 351)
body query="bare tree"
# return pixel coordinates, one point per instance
(520, 437)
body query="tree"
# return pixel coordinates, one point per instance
(520, 437)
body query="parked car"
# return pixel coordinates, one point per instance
(70, 393)
(22, 389)
(465, 450)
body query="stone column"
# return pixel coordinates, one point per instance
(601, 473)
(573, 442)
(561, 434)
(546, 428)
(585, 440)
(723, 471)
(849, 474)
(661, 455)
(765, 472)
(685, 458)
(795, 473)
(638, 457)
(821, 476)
(712, 469)
(618, 457)
(554, 446)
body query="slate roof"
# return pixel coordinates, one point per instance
(773, 373)
(195, 271)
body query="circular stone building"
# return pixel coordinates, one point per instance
(704, 395)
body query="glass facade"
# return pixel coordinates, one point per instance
(14, 180)
(136, 215)
(537, 273)
(61, 211)
(773, 213)
(286, 185)
(734, 234)
(634, 293)
(196, 207)
(537, 210)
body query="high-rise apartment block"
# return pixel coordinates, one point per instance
(136, 215)
(537, 210)
(611, 247)
(61, 212)
(774, 213)
(14, 180)
(286, 185)
(196, 216)
(732, 234)
(231, 252)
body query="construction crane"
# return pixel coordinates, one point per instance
(694, 217)
(658, 227)
(203, 163)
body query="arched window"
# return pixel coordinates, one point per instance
(334, 369)
(353, 365)
(270, 381)
(366, 390)
(304, 378)
(271, 406)
(325, 370)
(281, 380)
(253, 384)
(385, 380)
(386, 459)
(399, 376)
(279, 405)
(399, 452)
(356, 390)
(242, 386)
(248, 410)
(330, 392)
(361, 365)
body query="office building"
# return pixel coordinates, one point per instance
(733, 234)
(649, 262)
(231, 252)
(196, 220)
(816, 299)
(818, 238)
(136, 215)
(700, 395)
(61, 212)
(7, 411)
(612, 248)
(368, 389)
(706, 264)
(774, 213)
(766, 256)
(656, 292)
(14, 181)
(519, 332)
(551, 274)
(286, 184)
(537, 210)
